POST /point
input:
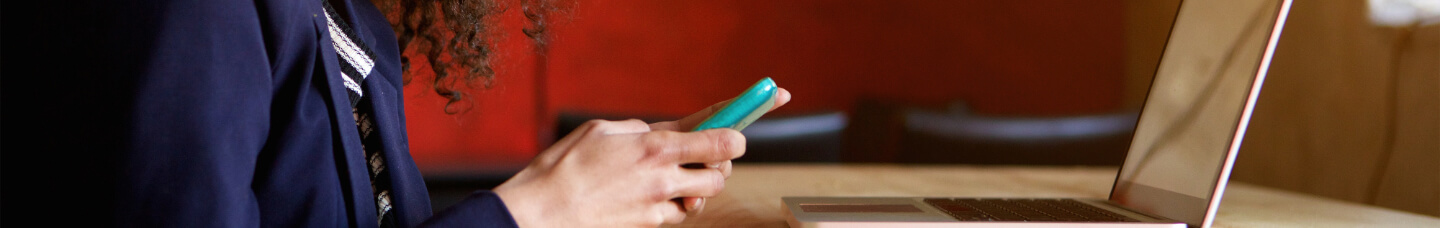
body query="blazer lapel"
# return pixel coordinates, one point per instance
(409, 199)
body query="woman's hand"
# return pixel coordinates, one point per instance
(618, 173)
(625, 173)
(697, 204)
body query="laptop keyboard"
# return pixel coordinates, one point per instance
(1035, 210)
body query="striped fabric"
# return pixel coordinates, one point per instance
(359, 62)
(358, 58)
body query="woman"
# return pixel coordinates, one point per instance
(241, 113)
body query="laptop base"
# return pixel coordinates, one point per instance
(815, 212)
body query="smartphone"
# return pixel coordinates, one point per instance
(750, 105)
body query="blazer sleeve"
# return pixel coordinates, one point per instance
(480, 209)
(154, 108)
(198, 95)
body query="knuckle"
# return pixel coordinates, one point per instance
(717, 186)
(660, 219)
(597, 126)
(725, 169)
(594, 122)
(655, 143)
(661, 193)
(730, 142)
(634, 121)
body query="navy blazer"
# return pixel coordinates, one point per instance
(207, 113)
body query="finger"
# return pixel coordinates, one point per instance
(698, 183)
(724, 168)
(672, 211)
(694, 205)
(665, 126)
(781, 97)
(606, 127)
(549, 155)
(578, 133)
(629, 126)
(593, 127)
(708, 146)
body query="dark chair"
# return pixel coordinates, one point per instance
(803, 138)
(960, 137)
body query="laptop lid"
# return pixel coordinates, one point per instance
(1198, 107)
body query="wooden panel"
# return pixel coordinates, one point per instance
(1321, 120)
(1411, 179)
(1350, 111)
(1335, 119)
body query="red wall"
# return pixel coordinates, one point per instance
(670, 58)
(499, 128)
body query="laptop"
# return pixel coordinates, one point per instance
(1178, 163)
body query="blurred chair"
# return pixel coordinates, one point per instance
(960, 137)
(794, 138)
(802, 138)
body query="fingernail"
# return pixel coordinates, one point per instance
(688, 203)
(699, 206)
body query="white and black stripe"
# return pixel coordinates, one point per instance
(359, 60)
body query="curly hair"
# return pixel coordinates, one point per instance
(457, 38)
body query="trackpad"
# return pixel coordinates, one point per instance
(860, 208)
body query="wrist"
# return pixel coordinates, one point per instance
(520, 210)
(527, 202)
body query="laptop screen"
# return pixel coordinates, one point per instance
(1198, 106)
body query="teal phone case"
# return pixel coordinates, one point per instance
(756, 101)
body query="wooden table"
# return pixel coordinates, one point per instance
(752, 194)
